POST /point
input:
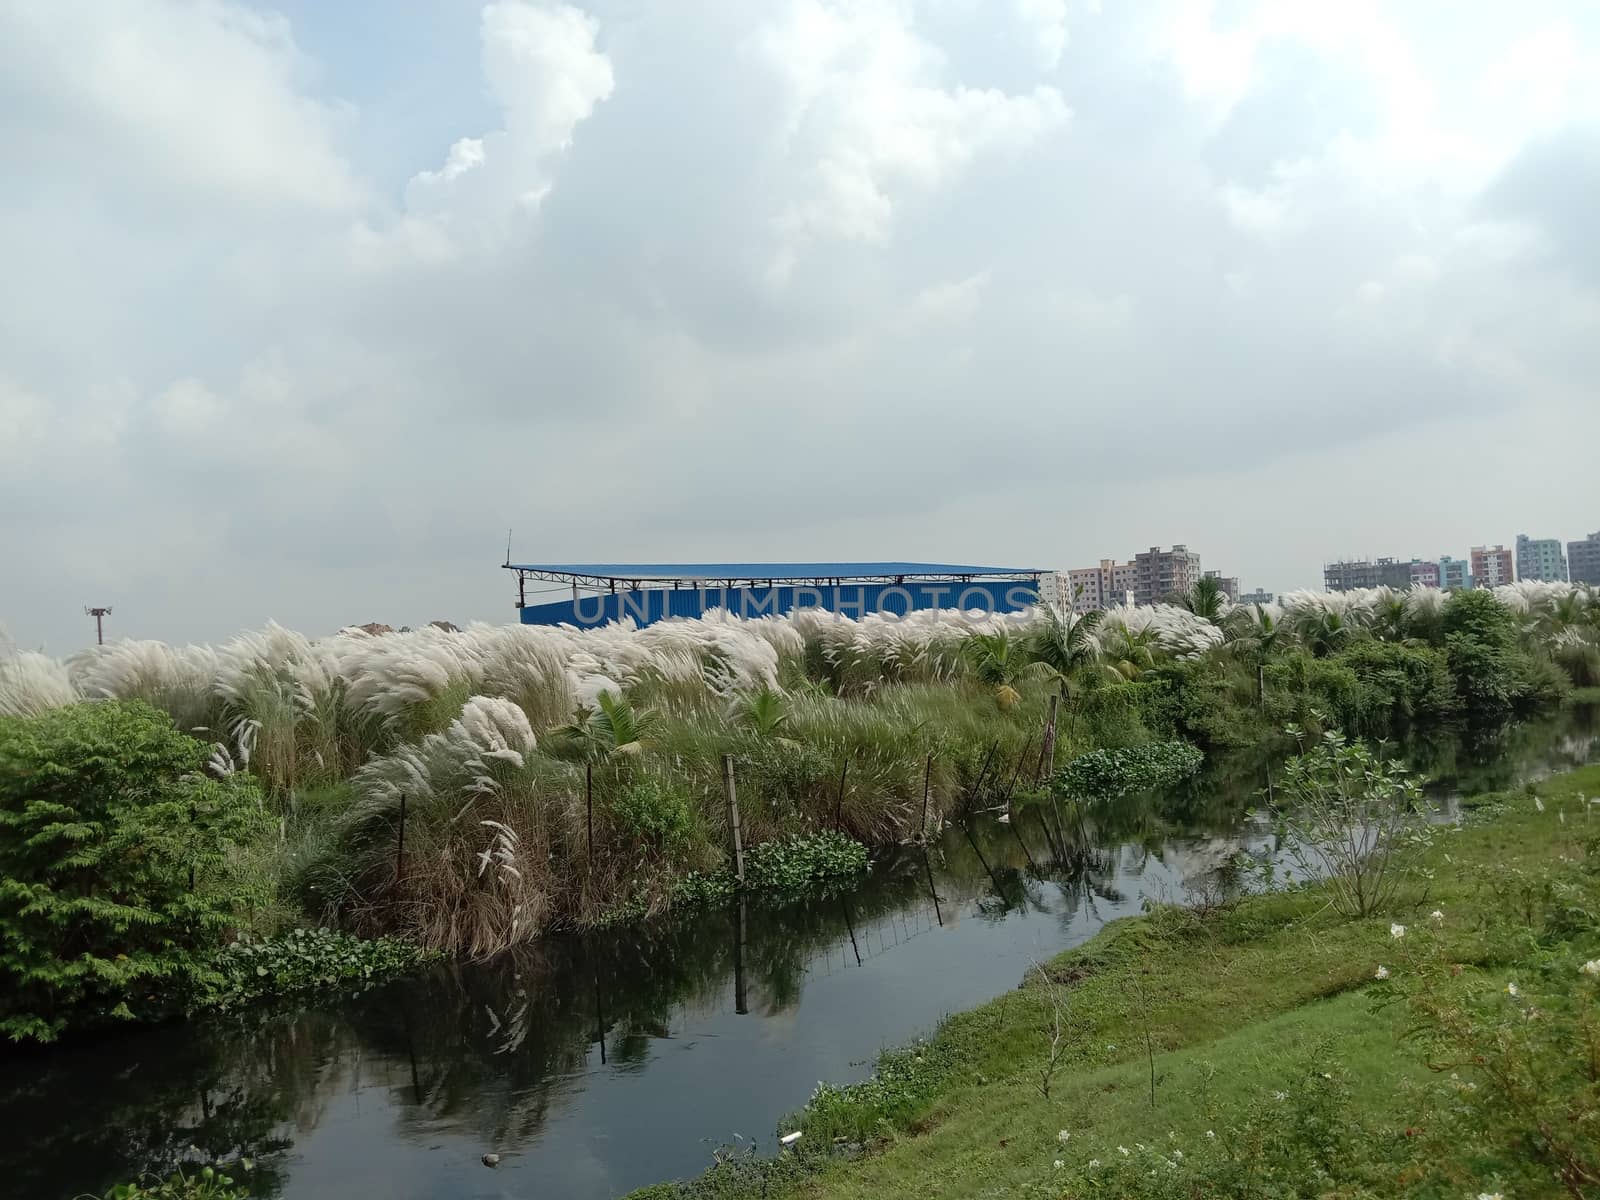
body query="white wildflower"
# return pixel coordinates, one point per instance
(1059, 1164)
(1592, 967)
(1511, 990)
(1381, 973)
(1280, 1095)
(1064, 1136)
(1093, 1163)
(1210, 1133)
(1397, 931)
(1124, 1151)
(1436, 915)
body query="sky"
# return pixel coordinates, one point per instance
(306, 305)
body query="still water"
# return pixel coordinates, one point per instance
(593, 1066)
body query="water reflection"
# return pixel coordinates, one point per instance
(596, 1065)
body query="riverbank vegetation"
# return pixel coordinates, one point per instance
(1270, 1044)
(469, 790)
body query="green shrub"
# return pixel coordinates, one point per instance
(655, 812)
(1397, 685)
(1486, 678)
(114, 885)
(1107, 774)
(1355, 818)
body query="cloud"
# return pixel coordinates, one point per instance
(542, 67)
(869, 116)
(720, 279)
(180, 101)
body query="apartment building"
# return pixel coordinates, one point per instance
(1540, 558)
(1583, 560)
(1351, 574)
(1104, 586)
(1455, 574)
(1159, 573)
(1424, 574)
(1491, 568)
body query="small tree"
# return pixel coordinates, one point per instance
(111, 896)
(1354, 817)
(996, 661)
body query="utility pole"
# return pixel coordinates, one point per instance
(99, 615)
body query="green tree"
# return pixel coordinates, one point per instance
(1205, 599)
(997, 661)
(763, 712)
(1326, 632)
(1130, 654)
(1480, 638)
(113, 853)
(613, 729)
(1065, 649)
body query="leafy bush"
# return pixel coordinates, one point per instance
(1486, 678)
(1356, 818)
(113, 856)
(305, 960)
(1397, 685)
(1106, 774)
(654, 811)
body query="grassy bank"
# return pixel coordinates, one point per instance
(1252, 1049)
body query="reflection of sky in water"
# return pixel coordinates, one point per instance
(398, 1092)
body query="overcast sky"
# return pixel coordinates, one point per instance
(305, 304)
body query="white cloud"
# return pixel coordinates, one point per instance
(869, 116)
(543, 69)
(1045, 21)
(202, 97)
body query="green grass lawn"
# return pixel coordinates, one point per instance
(1250, 1050)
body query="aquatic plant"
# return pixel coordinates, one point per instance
(1108, 773)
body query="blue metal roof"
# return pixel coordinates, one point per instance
(754, 570)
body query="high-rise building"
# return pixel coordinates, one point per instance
(1351, 574)
(1454, 574)
(1105, 586)
(1159, 573)
(1227, 584)
(1491, 568)
(1540, 558)
(1256, 597)
(1583, 560)
(1424, 574)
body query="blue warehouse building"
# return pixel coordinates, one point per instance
(650, 592)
